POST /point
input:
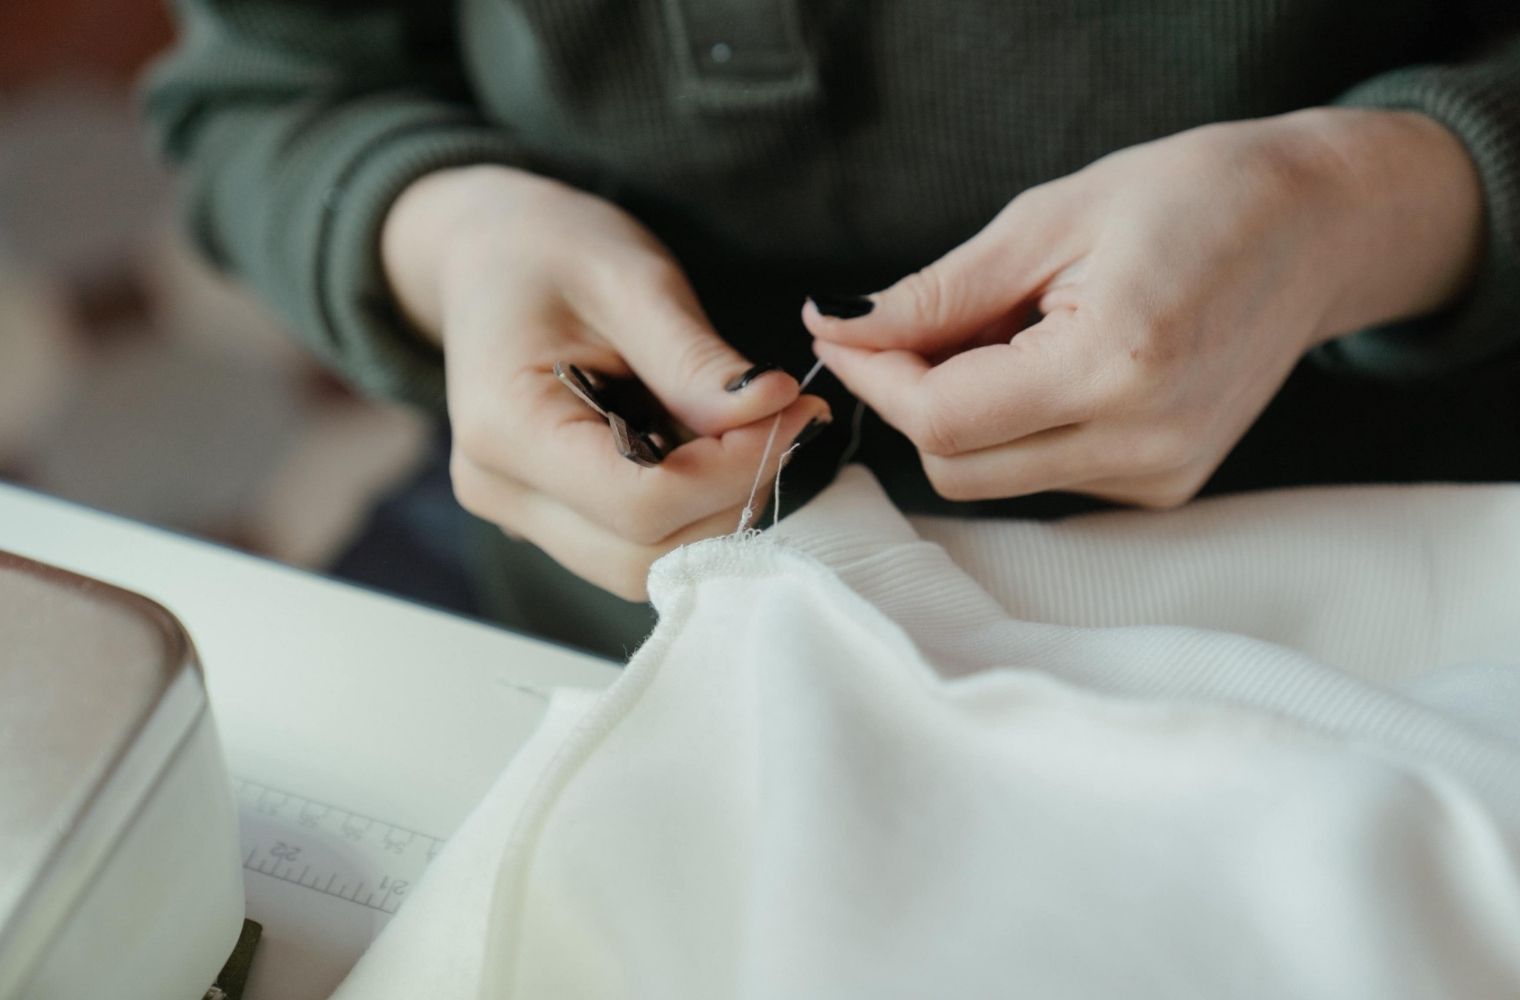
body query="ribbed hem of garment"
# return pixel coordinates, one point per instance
(1480, 103)
(367, 336)
(963, 630)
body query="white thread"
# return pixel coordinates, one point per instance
(748, 513)
(780, 464)
(812, 374)
(749, 505)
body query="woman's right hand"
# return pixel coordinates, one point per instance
(511, 273)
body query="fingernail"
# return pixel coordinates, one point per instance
(740, 381)
(842, 306)
(813, 429)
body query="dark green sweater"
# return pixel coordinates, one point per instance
(834, 143)
(780, 147)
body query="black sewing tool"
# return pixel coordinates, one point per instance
(642, 431)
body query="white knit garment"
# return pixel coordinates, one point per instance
(1265, 746)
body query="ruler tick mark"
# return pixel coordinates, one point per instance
(331, 841)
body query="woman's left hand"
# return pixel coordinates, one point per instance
(1116, 331)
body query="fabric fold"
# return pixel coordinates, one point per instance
(841, 768)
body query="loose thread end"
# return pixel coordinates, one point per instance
(786, 456)
(748, 514)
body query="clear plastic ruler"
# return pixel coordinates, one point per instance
(324, 848)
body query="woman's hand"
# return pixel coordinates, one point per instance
(512, 273)
(1115, 332)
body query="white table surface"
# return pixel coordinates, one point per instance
(372, 704)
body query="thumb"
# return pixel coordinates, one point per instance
(666, 339)
(952, 300)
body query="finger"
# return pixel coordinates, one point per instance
(545, 438)
(586, 549)
(997, 272)
(1056, 459)
(1149, 465)
(980, 398)
(656, 324)
(698, 478)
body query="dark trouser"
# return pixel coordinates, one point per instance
(418, 543)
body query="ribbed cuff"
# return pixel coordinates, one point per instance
(342, 286)
(297, 207)
(1480, 103)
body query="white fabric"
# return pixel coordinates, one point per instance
(1258, 747)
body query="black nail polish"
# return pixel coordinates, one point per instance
(813, 429)
(842, 306)
(740, 381)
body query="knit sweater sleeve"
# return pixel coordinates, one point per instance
(1478, 99)
(296, 126)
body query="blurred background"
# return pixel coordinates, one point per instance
(132, 378)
